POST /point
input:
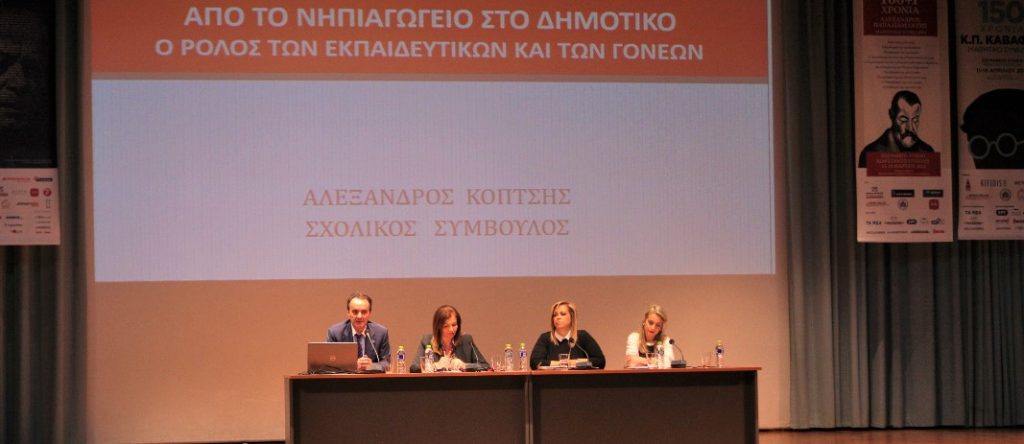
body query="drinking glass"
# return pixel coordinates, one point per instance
(563, 360)
(705, 359)
(652, 360)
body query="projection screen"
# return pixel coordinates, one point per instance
(324, 139)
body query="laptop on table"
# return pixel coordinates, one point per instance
(331, 357)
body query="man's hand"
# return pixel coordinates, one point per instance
(363, 363)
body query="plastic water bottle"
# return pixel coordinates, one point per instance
(400, 360)
(660, 350)
(524, 365)
(508, 358)
(719, 354)
(428, 361)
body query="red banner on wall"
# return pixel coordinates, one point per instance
(436, 37)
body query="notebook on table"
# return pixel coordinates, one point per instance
(331, 357)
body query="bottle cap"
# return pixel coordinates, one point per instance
(401, 348)
(508, 345)
(522, 345)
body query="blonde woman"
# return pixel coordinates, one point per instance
(646, 338)
(565, 337)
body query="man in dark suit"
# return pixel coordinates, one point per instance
(371, 338)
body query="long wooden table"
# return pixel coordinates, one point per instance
(673, 405)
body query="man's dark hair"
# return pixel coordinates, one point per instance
(360, 295)
(995, 112)
(907, 96)
(992, 115)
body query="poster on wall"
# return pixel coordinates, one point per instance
(990, 118)
(902, 151)
(29, 208)
(29, 213)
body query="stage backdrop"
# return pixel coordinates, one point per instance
(252, 163)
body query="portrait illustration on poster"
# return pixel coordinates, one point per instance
(901, 136)
(994, 126)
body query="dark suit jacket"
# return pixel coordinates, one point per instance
(465, 350)
(379, 350)
(586, 347)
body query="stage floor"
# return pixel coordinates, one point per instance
(1002, 435)
(1009, 435)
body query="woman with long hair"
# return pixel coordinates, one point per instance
(565, 338)
(452, 350)
(646, 338)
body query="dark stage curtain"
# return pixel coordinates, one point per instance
(43, 305)
(882, 335)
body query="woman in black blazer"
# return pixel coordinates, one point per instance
(452, 350)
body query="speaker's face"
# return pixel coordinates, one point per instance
(653, 325)
(359, 313)
(561, 318)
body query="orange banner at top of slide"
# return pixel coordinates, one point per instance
(663, 38)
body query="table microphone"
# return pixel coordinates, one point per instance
(580, 365)
(681, 362)
(374, 348)
(477, 366)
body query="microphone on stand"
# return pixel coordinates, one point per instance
(681, 362)
(477, 366)
(374, 348)
(580, 365)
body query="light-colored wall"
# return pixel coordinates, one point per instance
(206, 361)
